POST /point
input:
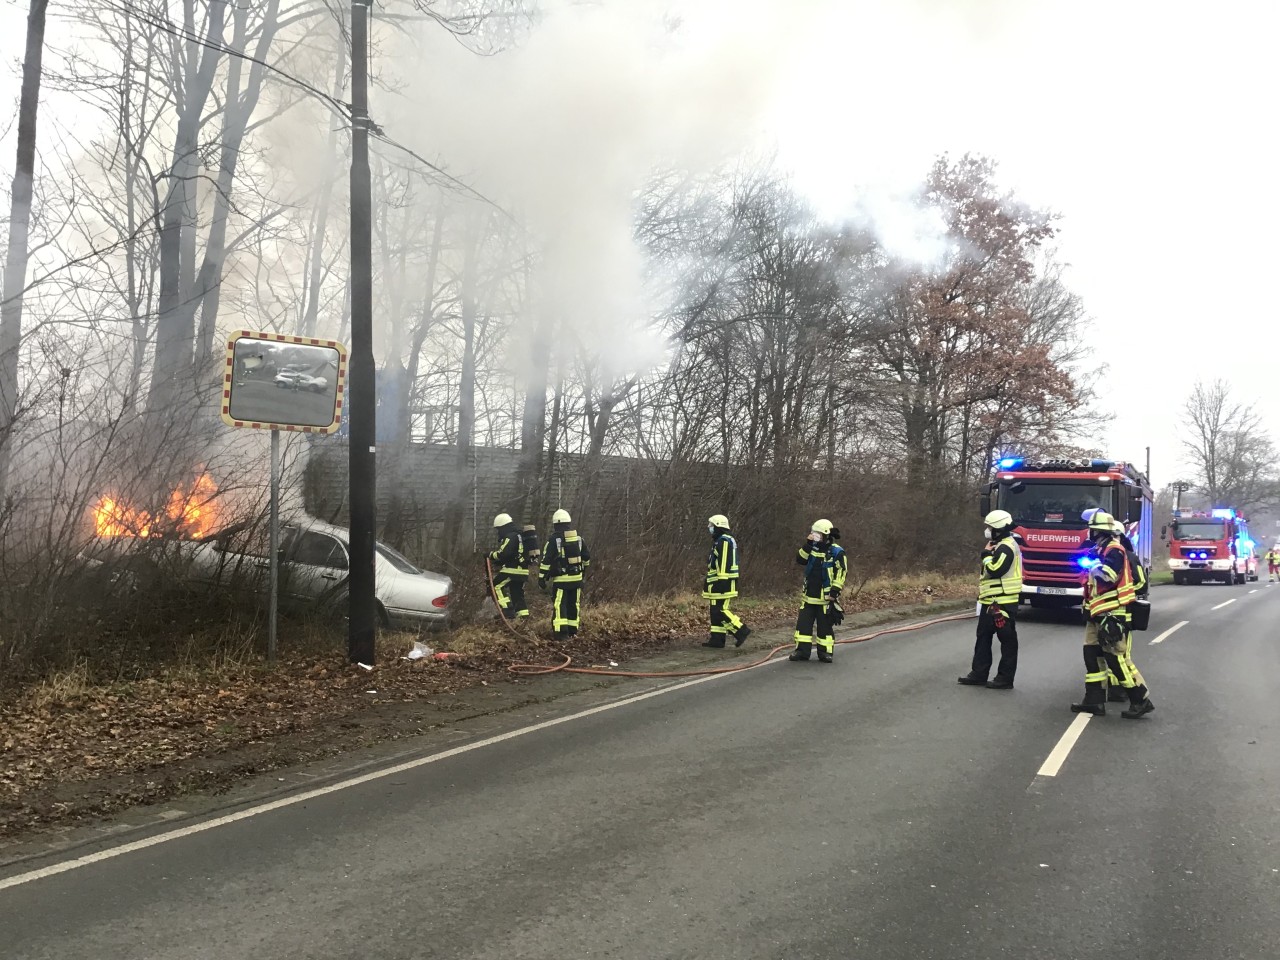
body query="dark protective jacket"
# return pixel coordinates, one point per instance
(722, 568)
(565, 556)
(509, 558)
(816, 560)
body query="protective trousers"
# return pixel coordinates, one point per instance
(724, 620)
(1008, 635)
(509, 591)
(1102, 662)
(813, 625)
(565, 608)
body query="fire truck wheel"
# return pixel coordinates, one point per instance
(1179, 579)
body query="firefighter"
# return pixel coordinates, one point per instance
(999, 593)
(1109, 590)
(813, 625)
(1115, 688)
(564, 559)
(721, 584)
(1273, 564)
(509, 568)
(839, 574)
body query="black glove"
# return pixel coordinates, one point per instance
(835, 612)
(835, 593)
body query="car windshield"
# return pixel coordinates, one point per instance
(1198, 530)
(1047, 502)
(396, 560)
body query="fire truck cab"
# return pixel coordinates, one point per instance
(1048, 498)
(1210, 545)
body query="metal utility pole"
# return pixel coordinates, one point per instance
(1148, 464)
(361, 389)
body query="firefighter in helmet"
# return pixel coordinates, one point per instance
(1116, 692)
(1110, 589)
(1273, 564)
(721, 584)
(564, 559)
(509, 568)
(813, 625)
(999, 593)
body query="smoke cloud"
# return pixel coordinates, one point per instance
(566, 126)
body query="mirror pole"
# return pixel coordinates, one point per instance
(360, 377)
(273, 596)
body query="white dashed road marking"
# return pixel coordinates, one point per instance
(1058, 755)
(1176, 626)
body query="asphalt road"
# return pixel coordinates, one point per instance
(263, 401)
(868, 809)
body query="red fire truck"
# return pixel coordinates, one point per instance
(1048, 498)
(1210, 545)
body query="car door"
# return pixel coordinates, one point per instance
(316, 567)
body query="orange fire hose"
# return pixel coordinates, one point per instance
(534, 669)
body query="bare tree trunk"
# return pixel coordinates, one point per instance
(174, 324)
(239, 110)
(315, 263)
(15, 267)
(466, 394)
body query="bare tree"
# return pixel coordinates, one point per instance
(15, 269)
(1233, 457)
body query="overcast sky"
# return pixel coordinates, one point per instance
(1146, 125)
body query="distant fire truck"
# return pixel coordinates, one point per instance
(1048, 499)
(1211, 545)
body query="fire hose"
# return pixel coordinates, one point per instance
(537, 669)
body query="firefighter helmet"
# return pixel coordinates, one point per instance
(1101, 521)
(561, 516)
(502, 519)
(1118, 527)
(1087, 515)
(823, 527)
(719, 520)
(998, 519)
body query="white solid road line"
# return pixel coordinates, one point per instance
(1254, 590)
(1224, 603)
(1058, 755)
(1176, 626)
(201, 827)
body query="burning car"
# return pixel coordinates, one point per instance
(184, 543)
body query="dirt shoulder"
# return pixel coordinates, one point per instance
(72, 752)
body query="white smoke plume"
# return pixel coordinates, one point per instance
(564, 128)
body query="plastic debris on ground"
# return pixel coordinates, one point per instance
(420, 650)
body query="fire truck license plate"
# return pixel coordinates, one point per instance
(1061, 591)
(1198, 566)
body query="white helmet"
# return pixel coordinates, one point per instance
(822, 526)
(561, 516)
(998, 519)
(719, 520)
(502, 519)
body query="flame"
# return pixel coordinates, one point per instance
(190, 514)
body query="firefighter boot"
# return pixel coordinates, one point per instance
(824, 655)
(1095, 700)
(716, 642)
(802, 651)
(740, 637)
(1139, 704)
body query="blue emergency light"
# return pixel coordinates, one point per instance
(1223, 513)
(1088, 563)
(1009, 463)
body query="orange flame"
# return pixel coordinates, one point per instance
(190, 513)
